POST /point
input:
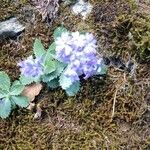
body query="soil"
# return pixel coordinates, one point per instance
(111, 113)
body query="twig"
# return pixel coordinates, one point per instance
(114, 103)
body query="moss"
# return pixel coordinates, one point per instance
(141, 37)
(116, 22)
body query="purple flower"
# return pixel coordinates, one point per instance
(72, 74)
(90, 38)
(63, 48)
(63, 42)
(79, 52)
(78, 39)
(31, 67)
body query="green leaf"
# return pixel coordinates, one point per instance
(3, 93)
(38, 48)
(13, 105)
(4, 81)
(53, 83)
(65, 82)
(50, 52)
(47, 78)
(21, 101)
(5, 108)
(59, 69)
(73, 89)
(49, 61)
(52, 48)
(16, 88)
(58, 31)
(28, 80)
(16, 82)
(49, 66)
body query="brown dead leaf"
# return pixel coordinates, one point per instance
(31, 106)
(32, 90)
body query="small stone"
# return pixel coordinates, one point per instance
(10, 28)
(82, 8)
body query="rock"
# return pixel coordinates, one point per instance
(10, 28)
(83, 8)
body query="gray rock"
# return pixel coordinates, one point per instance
(10, 28)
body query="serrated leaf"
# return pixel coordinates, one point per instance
(3, 93)
(59, 69)
(53, 83)
(58, 31)
(48, 77)
(38, 48)
(13, 105)
(50, 52)
(4, 81)
(49, 66)
(16, 89)
(64, 82)
(73, 89)
(21, 101)
(52, 48)
(5, 108)
(16, 82)
(28, 80)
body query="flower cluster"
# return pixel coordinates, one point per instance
(31, 67)
(79, 52)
